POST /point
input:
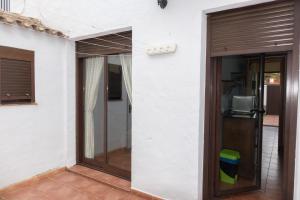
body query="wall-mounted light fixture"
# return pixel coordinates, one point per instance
(162, 3)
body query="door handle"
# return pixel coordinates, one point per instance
(261, 111)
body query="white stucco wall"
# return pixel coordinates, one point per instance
(168, 90)
(35, 138)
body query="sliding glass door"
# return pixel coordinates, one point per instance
(118, 105)
(105, 137)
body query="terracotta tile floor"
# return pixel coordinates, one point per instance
(271, 120)
(271, 170)
(70, 186)
(67, 186)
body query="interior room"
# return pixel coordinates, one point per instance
(272, 90)
(249, 125)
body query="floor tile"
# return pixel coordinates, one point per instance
(69, 186)
(271, 120)
(47, 185)
(98, 190)
(114, 194)
(27, 193)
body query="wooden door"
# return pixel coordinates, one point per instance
(273, 99)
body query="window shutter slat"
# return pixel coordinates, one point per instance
(268, 27)
(16, 80)
(105, 45)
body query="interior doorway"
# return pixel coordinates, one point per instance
(104, 103)
(272, 90)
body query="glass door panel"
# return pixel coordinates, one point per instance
(240, 123)
(118, 136)
(106, 138)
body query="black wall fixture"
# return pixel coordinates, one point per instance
(162, 3)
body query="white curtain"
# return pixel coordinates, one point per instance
(94, 68)
(126, 62)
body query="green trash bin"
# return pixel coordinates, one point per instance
(229, 163)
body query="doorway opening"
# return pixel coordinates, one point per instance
(104, 103)
(273, 82)
(235, 106)
(247, 156)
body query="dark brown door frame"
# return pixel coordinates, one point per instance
(290, 116)
(80, 160)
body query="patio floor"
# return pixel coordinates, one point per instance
(66, 185)
(81, 183)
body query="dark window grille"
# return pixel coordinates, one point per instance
(5, 5)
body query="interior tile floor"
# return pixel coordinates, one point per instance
(271, 170)
(120, 158)
(271, 120)
(67, 186)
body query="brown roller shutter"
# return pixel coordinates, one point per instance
(105, 45)
(16, 75)
(261, 28)
(15, 79)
